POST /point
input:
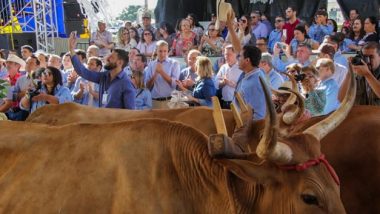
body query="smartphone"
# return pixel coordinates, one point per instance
(284, 33)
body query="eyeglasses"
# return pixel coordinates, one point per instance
(46, 73)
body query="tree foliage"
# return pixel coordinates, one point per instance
(129, 13)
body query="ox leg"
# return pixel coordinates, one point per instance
(221, 146)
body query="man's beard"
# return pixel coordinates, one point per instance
(110, 66)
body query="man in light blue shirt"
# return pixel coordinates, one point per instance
(258, 28)
(336, 40)
(273, 78)
(276, 35)
(249, 83)
(320, 29)
(302, 57)
(161, 76)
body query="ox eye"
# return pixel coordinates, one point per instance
(310, 199)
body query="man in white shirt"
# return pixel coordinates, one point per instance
(228, 76)
(102, 39)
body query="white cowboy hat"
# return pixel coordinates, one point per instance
(222, 11)
(16, 59)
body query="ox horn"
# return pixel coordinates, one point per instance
(218, 117)
(292, 98)
(324, 127)
(238, 120)
(242, 104)
(269, 148)
(292, 116)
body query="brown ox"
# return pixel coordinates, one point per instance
(199, 118)
(352, 148)
(156, 166)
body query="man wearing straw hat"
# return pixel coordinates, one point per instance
(13, 65)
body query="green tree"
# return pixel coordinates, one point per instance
(129, 13)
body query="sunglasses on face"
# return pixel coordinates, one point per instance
(46, 73)
(243, 20)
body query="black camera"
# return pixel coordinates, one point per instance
(299, 77)
(357, 59)
(35, 91)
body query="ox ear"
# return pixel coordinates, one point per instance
(251, 172)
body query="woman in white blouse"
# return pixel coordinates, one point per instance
(124, 41)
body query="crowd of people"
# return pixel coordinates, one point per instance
(140, 70)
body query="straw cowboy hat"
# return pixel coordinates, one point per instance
(16, 59)
(222, 11)
(283, 89)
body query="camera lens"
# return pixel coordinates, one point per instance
(357, 60)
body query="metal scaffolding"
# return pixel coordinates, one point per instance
(45, 26)
(21, 16)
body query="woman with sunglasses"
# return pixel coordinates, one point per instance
(124, 40)
(51, 92)
(147, 45)
(244, 32)
(211, 45)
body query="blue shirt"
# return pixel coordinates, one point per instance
(340, 59)
(274, 79)
(120, 91)
(204, 89)
(260, 30)
(274, 36)
(252, 92)
(294, 44)
(344, 46)
(332, 89)
(318, 32)
(61, 92)
(86, 94)
(187, 73)
(3, 73)
(143, 99)
(161, 88)
(280, 65)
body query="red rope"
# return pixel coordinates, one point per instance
(310, 163)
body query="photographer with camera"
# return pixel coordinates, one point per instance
(50, 91)
(367, 67)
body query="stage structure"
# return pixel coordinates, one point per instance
(47, 20)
